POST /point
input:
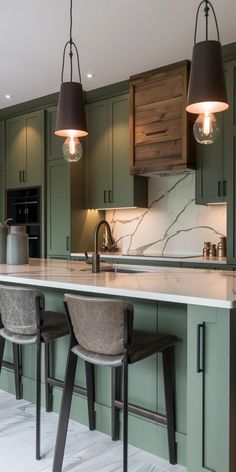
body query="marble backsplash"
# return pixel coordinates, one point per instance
(173, 224)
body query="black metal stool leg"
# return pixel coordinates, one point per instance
(48, 387)
(17, 369)
(116, 392)
(169, 385)
(64, 412)
(125, 418)
(38, 398)
(90, 381)
(2, 345)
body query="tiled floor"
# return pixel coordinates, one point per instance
(86, 451)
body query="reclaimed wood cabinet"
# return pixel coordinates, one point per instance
(161, 136)
(108, 182)
(25, 150)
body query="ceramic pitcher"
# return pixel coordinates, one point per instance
(17, 245)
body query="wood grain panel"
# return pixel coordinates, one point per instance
(160, 134)
(154, 112)
(161, 90)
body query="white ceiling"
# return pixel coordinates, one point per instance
(115, 38)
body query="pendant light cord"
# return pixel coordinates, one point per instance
(208, 6)
(71, 44)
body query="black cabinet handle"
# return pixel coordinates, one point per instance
(67, 243)
(105, 196)
(219, 188)
(20, 176)
(224, 188)
(200, 347)
(110, 196)
(24, 175)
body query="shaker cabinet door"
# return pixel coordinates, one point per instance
(58, 208)
(24, 150)
(209, 389)
(97, 191)
(15, 145)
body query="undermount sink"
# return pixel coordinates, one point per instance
(123, 270)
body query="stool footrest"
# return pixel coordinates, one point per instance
(145, 413)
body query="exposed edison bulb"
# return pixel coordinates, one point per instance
(72, 149)
(206, 128)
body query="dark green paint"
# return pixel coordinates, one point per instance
(108, 182)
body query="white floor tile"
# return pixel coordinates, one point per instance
(86, 451)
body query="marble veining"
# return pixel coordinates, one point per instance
(172, 224)
(86, 451)
(206, 287)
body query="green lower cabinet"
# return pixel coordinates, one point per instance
(58, 208)
(211, 416)
(108, 182)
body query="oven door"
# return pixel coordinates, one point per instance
(34, 240)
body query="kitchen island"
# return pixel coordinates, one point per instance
(199, 306)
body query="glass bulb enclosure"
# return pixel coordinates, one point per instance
(206, 128)
(72, 149)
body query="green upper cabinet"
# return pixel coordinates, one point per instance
(108, 183)
(54, 143)
(230, 153)
(2, 171)
(213, 161)
(25, 150)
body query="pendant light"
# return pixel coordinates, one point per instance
(70, 121)
(207, 91)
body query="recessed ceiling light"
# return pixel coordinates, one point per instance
(7, 96)
(90, 76)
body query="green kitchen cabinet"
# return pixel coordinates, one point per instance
(230, 152)
(70, 228)
(2, 171)
(213, 161)
(210, 390)
(54, 143)
(108, 183)
(25, 150)
(58, 204)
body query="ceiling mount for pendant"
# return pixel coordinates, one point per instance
(207, 90)
(71, 121)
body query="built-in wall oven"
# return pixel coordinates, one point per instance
(24, 208)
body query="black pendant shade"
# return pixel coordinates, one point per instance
(207, 82)
(70, 111)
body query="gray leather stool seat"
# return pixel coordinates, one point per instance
(23, 321)
(102, 334)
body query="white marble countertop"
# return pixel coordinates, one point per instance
(214, 288)
(196, 259)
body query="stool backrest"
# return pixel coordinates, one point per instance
(100, 325)
(18, 308)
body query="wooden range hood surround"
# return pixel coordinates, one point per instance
(161, 136)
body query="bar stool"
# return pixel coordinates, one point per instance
(102, 334)
(24, 321)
